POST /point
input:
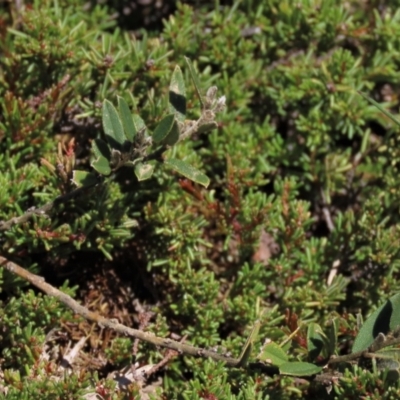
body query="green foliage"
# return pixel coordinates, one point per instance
(23, 321)
(282, 209)
(375, 385)
(128, 143)
(383, 320)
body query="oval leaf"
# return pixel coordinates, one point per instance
(127, 120)
(138, 122)
(102, 155)
(332, 336)
(298, 368)
(173, 135)
(163, 128)
(143, 171)
(101, 149)
(101, 165)
(177, 95)
(112, 126)
(273, 354)
(386, 318)
(83, 178)
(315, 340)
(188, 171)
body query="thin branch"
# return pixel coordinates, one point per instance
(68, 301)
(180, 348)
(47, 208)
(379, 343)
(346, 358)
(44, 210)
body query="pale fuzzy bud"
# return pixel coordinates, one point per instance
(211, 92)
(220, 103)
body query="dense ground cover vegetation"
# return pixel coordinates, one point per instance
(298, 228)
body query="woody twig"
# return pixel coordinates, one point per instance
(181, 348)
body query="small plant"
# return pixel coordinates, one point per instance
(130, 144)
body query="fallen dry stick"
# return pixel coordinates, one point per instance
(181, 348)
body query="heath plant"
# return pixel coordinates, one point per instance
(199, 200)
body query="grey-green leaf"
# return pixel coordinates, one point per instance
(173, 135)
(315, 340)
(332, 336)
(112, 126)
(83, 178)
(188, 171)
(143, 171)
(138, 122)
(385, 319)
(177, 95)
(195, 80)
(127, 120)
(298, 368)
(272, 354)
(101, 165)
(163, 128)
(100, 149)
(102, 155)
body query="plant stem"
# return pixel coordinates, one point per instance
(149, 337)
(44, 210)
